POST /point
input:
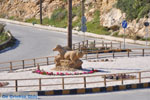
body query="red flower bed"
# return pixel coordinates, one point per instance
(67, 73)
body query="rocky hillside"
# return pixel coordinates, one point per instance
(103, 16)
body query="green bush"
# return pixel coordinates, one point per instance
(116, 34)
(11, 18)
(134, 9)
(1, 28)
(114, 28)
(3, 35)
(59, 18)
(33, 20)
(94, 25)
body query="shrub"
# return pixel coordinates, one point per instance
(59, 18)
(114, 28)
(95, 27)
(134, 9)
(1, 28)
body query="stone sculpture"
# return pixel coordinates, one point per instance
(69, 59)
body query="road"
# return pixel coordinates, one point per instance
(141, 94)
(33, 42)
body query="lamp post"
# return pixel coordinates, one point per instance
(70, 24)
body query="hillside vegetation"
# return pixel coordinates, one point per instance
(59, 19)
(134, 9)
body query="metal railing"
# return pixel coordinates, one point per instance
(96, 44)
(74, 81)
(22, 64)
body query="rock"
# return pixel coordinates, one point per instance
(113, 17)
(75, 18)
(135, 28)
(76, 28)
(88, 2)
(25, 1)
(89, 14)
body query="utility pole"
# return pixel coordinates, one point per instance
(82, 7)
(70, 24)
(40, 11)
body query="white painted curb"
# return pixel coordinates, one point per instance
(111, 38)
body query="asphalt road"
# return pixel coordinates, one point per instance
(141, 94)
(33, 42)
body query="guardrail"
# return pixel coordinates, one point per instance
(35, 84)
(22, 64)
(96, 44)
(117, 53)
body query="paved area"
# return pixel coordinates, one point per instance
(141, 94)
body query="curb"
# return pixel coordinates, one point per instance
(111, 38)
(94, 90)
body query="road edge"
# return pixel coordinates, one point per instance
(94, 90)
(111, 38)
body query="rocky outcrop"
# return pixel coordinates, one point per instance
(106, 5)
(136, 28)
(115, 17)
(109, 15)
(25, 9)
(111, 18)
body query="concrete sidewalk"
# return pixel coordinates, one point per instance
(111, 38)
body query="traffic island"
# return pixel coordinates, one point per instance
(6, 38)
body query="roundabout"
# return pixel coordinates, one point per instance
(93, 74)
(96, 71)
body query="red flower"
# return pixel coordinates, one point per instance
(90, 72)
(57, 73)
